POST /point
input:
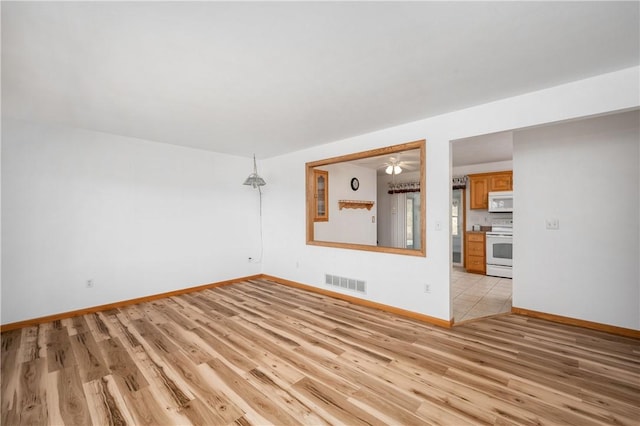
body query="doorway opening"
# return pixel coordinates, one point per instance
(474, 294)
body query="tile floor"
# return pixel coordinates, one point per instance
(475, 296)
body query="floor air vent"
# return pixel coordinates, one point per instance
(344, 282)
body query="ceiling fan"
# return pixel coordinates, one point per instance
(394, 166)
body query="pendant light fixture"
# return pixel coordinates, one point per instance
(254, 179)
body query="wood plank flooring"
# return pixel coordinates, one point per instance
(258, 353)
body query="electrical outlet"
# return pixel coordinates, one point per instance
(552, 224)
(427, 288)
(438, 225)
(89, 283)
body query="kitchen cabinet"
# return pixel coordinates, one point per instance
(320, 196)
(483, 183)
(479, 190)
(501, 181)
(475, 258)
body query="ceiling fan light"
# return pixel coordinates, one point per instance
(396, 170)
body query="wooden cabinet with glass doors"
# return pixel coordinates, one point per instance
(320, 196)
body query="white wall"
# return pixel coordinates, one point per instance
(136, 217)
(399, 280)
(349, 225)
(585, 174)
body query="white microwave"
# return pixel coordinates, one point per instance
(501, 201)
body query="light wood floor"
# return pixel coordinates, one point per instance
(258, 353)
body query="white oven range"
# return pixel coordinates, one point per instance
(500, 248)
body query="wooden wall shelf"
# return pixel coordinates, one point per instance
(353, 204)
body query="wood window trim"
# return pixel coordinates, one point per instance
(310, 202)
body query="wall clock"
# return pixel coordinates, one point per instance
(355, 184)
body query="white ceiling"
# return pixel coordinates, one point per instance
(482, 149)
(272, 78)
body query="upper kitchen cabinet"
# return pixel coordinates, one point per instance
(502, 181)
(479, 191)
(483, 183)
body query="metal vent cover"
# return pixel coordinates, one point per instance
(346, 283)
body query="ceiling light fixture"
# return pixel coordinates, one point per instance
(254, 179)
(393, 169)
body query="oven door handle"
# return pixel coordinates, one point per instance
(499, 236)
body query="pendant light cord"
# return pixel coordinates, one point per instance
(261, 237)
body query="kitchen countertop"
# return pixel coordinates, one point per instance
(483, 229)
